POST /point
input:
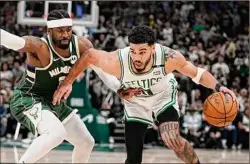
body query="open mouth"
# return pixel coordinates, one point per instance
(65, 41)
(138, 64)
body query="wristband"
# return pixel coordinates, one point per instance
(217, 87)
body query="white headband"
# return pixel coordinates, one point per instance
(59, 23)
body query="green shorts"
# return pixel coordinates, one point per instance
(26, 109)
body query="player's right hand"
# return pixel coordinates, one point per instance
(63, 91)
(129, 93)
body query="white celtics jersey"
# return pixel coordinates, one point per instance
(159, 88)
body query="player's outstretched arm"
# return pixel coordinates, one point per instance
(30, 44)
(176, 61)
(107, 61)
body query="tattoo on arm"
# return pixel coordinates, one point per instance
(187, 154)
(170, 53)
(32, 44)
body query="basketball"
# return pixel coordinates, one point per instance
(220, 109)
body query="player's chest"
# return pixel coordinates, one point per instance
(143, 81)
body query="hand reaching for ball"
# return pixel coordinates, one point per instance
(225, 90)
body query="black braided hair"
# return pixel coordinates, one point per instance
(58, 14)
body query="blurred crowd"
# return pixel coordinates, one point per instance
(212, 35)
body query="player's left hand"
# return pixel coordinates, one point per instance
(228, 91)
(62, 91)
(128, 93)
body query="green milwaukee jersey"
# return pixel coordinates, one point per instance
(44, 81)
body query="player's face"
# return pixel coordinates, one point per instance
(61, 36)
(141, 55)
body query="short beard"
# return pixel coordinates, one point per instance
(140, 70)
(59, 45)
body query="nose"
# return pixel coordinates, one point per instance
(137, 57)
(65, 34)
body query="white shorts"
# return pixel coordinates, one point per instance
(142, 109)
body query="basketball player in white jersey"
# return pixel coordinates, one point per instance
(48, 62)
(148, 66)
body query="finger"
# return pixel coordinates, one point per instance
(60, 95)
(66, 95)
(55, 97)
(233, 95)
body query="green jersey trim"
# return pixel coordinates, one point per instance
(172, 101)
(121, 65)
(163, 60)
(76, 45)
(137, 119)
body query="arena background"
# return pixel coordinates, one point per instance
(212, 35)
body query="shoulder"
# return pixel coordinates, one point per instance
(124, 50)
(174, 59)
(33, 40)
(173, 55)
(84, 44)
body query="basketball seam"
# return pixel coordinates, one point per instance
(217, 117)
(214, 107)
(224, 109)
(231, 106)
(221, 122)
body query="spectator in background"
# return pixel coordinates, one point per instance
(6, 76)
(221, 70)
(182, 101)
(3, 114)
(243, 126)
(192, 121)
(167, 34)
(120, 41)
(196, 101)
(214, 138)
(18, 71)
(242, 98)
(229, 135)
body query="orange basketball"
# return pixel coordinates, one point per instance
(219, 109)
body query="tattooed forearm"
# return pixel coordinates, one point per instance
(32, 43)
(187, 154)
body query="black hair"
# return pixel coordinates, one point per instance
(58, 14)
(142, 34)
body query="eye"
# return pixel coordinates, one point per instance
(132, 52)
(142, 53)
(68, 29)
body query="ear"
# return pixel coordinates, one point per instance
(153, 47)
(49, 31)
